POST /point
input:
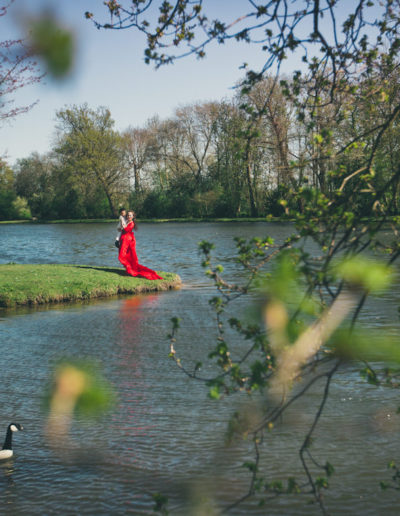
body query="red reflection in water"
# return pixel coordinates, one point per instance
(135, 408)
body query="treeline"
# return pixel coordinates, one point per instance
(253, 155)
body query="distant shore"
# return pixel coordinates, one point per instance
(189, 219)
(38, 284)
(268, 218)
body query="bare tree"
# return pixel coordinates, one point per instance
(137, 143)
(18, 69)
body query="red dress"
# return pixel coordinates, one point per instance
(128, 257)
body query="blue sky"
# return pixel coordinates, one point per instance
(110, 71)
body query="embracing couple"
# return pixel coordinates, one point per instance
(127, 247)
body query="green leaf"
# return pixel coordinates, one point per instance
(371, 346)
(329, 469)
(214, 393)
(93, 395)
(175, 322)
(321, 482)
(54, 44)
(251, 466)
(361, 272)
(160, 503)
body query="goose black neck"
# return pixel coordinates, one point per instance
(8, 442)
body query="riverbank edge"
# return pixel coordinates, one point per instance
(36, 284)
(267, 218)
(154, 221)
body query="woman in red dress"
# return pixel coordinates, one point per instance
(127, 252)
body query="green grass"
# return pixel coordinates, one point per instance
(58, 221)
(24, 221)
(206, 219)
(38, 284)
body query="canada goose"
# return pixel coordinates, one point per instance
(7, 450)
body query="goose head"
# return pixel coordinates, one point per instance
(6, 452)
(15, 427)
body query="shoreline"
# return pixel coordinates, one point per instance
(153, 221)
(267, 219)
(27, 284)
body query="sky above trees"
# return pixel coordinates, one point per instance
(110, 71)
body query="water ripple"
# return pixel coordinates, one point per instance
(164, 435)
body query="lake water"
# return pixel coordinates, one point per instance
(164, 434)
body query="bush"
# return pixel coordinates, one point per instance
(7, 197)
(272, 202)
(20, 209)
(156, 204)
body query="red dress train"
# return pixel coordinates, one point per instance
(128, 257)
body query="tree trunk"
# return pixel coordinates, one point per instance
(137, 178)
(253, 207)
(113, 210)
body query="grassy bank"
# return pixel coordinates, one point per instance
(37, 284)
